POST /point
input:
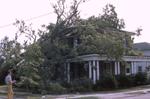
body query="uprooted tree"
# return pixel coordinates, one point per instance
(43, 60)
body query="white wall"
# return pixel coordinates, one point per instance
(143, 65)
(146, 53)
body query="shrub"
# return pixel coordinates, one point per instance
(107, 82)
(81, 85)
(140, 78)
(56, 88)
(124, 81)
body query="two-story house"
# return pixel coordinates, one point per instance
(95, 66)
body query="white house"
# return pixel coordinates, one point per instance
(94, 66)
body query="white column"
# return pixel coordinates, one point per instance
(118, 63)
(116, 69)
(97, 70)
(94, 72)
(132, 68)
(135, 71)
(68, 72)
(90, 70)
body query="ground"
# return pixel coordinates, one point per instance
(132, 93)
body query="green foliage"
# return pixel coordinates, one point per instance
(80, 85)
(140, 78)
(125, 81)
(103, 35)
(28, 70)
(56, 88)
(135, 53)
(110, 19)
(108, 82)
(10, 55)
(45, 57)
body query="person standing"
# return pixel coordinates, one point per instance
(9, 82)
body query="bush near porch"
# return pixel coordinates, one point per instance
(121, 81)
(80, 85)
(140, 79)
(108, 82)
(125, 81)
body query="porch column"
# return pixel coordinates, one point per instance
(135, 71)
(68, 72)
(94, 72)
(90, 70)
(118, 63)
(132, 68)
(97, 70)
(116, 69)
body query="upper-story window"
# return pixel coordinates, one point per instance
(76, 42)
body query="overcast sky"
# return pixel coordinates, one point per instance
(134, 12)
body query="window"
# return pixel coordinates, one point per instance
(139, 68)
(127, 70)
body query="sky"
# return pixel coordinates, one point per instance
(38, 12)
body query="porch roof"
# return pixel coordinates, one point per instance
(91, 57)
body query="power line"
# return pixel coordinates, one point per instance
(32, 18)
(6, 25)
(37, 17)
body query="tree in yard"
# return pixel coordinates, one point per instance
(28, 69)
(54, 44)
(103, 35)
(96, 35)
(110, 18)
(10, 51)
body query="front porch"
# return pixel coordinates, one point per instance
(95, 67)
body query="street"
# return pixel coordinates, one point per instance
(128, 96)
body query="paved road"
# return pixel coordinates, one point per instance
(140, 94)
(145, 96)
(109, 96)
(136, 94)
(128, 96)
(4, 97)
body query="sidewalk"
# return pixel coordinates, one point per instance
(131, 92)
(109, 94)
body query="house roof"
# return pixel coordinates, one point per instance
(143, 46)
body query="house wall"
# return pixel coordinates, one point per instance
(142, 65)
(97, 66)
(146, 53)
